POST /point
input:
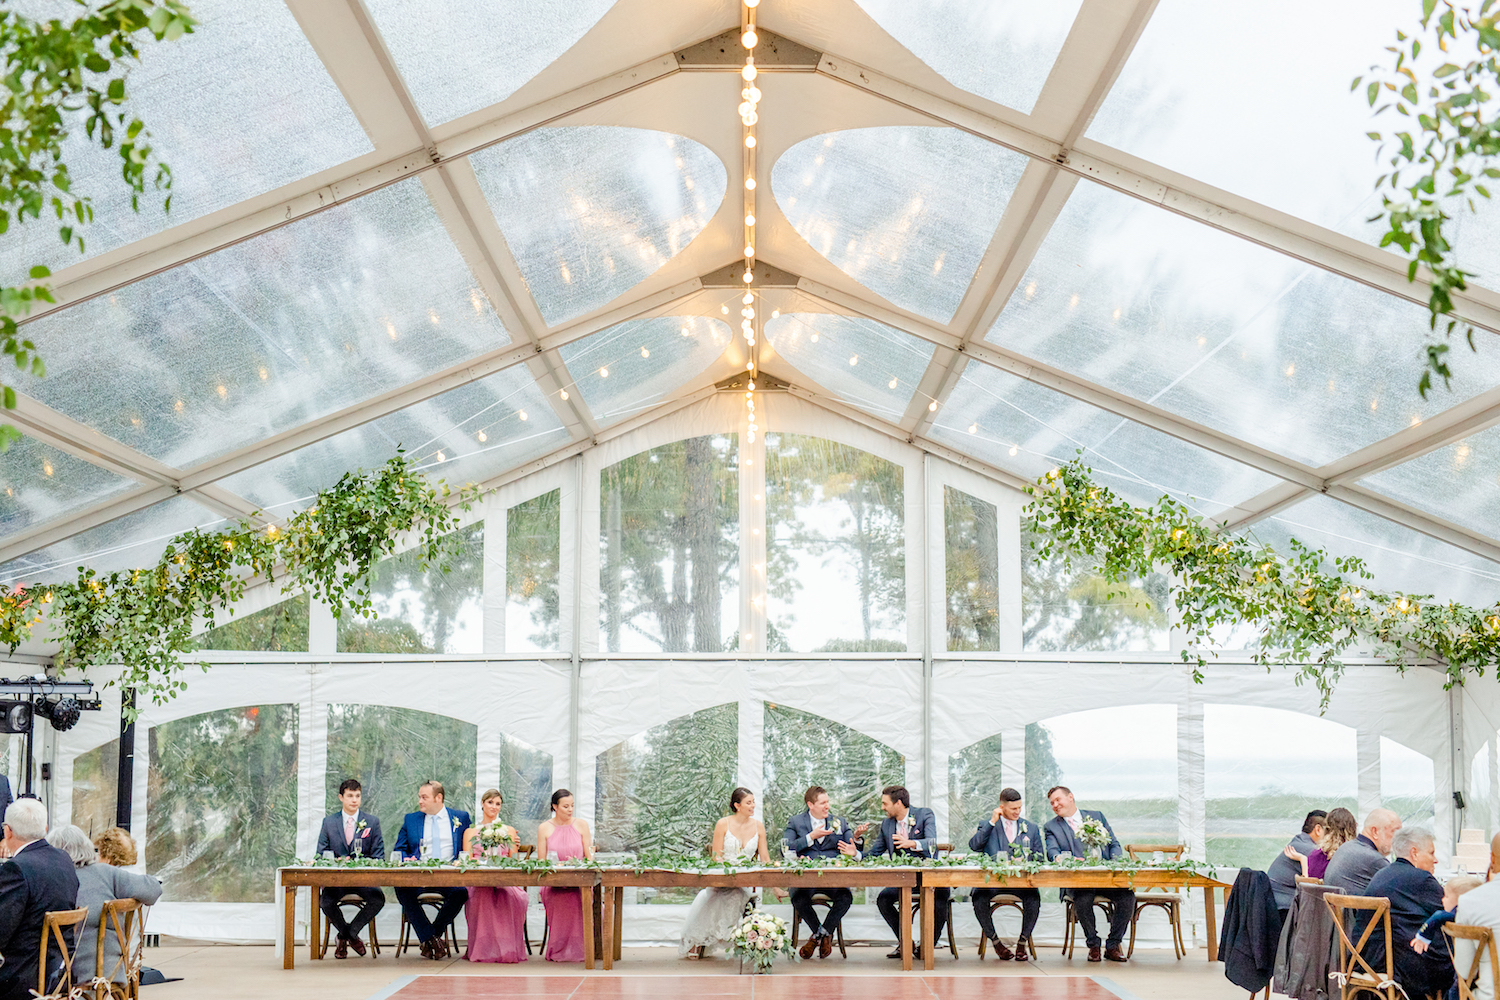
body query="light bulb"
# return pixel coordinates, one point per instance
(749, 38)
(932, 406)
(749, 250)
(748, 276)
(752, 437)
(751, 94)
(482, 440)
(775, 313)
(750, 341)
(749, 220)
(749, 118)
(604, 373)
(973, 428)
(745, 108)
(1013, 450)
(749, 298)
(563, 395)
(752, 4)
(749, 142)
(752, 388)
(892, 383)
(645, 353)
(442, 457)
(815, 338)
(684, 331)
(749, 183)
(725, 310)
(521, 414)
(749, 312)
(749, 72)
(853, 360)
(748, 395)
(749, 366)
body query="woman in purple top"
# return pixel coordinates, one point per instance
(1338, 829)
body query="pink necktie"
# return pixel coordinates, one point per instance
(349, 828)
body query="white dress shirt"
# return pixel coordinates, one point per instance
(438, 835)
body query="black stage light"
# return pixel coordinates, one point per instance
(63, 713)
(15, 716)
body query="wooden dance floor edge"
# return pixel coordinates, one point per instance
(926, 986)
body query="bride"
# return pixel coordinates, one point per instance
(715, 913)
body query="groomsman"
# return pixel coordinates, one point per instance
(434, 831)
(1008, 834)
(815, 834)
(905, 832)
(1062, 837)
(351, 832)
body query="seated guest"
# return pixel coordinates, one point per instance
(905, 832)
(1292, 861)
(1356, 862)
(1432, 927)
(1414, 894)
(433, 831)
(1480, 908)
(99, 883)
(1008, 834)
(350, 832)
(1338, 829)
(115, 847)
(37, 879)
(814, 834)
(1061, 834)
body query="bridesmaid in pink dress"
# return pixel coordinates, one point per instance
(496, 915)
(566, 838)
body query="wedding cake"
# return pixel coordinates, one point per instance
(1473, 854)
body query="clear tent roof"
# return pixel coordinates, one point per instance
(483, 232)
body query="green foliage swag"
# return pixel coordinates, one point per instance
(1308, 617)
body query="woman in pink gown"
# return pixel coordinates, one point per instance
(496, 915)
(563, 838)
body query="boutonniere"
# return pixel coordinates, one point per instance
(456, 823)
(836, 828)
(360, 825)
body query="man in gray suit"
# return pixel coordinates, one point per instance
(815, 834)
(905, 832)
(1353, 865)
(1062, 838)
(351, 832)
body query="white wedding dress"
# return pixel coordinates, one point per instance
(715, 913)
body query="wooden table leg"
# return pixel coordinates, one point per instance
(1210, 921)
(289, 931)
(905, 929)
(928, 951)
(586, 893)
(609, 926)
(619, 922)
(313, 925)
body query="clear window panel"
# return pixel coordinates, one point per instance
(241, 106)
(835, 548)
(525, 785)
(1002, 50)
(1067, 604)
(281, 627)
(669, 548)
(1468, 472)
(589, 211)
(1265, 769)
(905, 210)
(13, 761)
(533, 545)
(438, 609)
(270, 333)
(1478, 809)
(803, 749)
(1134, 782)
(665, 788)
(1408, 785)
(637, 364)
(39, 484)
(221, 803)
(96, 784)
(867, 364)
(971, 581)
(974, 783)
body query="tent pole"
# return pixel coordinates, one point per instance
(927, 596)
(1458, 766)
(576, 679)
(125, 777)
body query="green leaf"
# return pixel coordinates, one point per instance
(1446, 69)
(117, 90)
(10, 398)
(40, 271)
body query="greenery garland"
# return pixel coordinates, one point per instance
(144, 619)
(1308, 617)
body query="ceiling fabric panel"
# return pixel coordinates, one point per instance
(1459, 483)
(1251, 342)
(907, 211)
(39, 484)
(590, 211)
(239, 107)
(632, 366)
(271, 333)
(868, 364)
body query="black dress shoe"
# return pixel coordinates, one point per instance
(895, 952)
(1114, 954)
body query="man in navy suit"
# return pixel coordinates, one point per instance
(434, 831)
(1062, 838)
(815, 834)
(1008, 834)
(350, 832)
(6, 798)
(905, 832)
(37, 878)
(1414, 894)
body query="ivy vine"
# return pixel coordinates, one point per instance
(144, 619)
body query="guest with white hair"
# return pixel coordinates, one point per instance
(1414, 894)
(99, 883)
(37, 879)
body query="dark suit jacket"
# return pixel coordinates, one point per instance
(990, 838)
(1353, 866)
(409, 840)
(1414, 896)
(6, 798)
(368, 843)
(827, 846)
(923, 831)
(1060, 838)
(38, 879)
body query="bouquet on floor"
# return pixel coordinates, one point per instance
(1094, 836)
(495, 841)
(759, 938)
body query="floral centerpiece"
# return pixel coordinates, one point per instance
(495, 840)
(1095, 836)
(759, 938)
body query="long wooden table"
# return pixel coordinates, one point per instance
(1070, 878)
(317, 877)
(614, 880)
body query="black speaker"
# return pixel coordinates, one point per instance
(15, 716)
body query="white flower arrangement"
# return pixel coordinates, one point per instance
(495, 839)
(759, 938)
(1094, 834)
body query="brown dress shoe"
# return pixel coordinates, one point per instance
(1002, 953)
(1094, 955)
(825, 946)
(358, 946)
(1114, 954)
(808, 947)
(342, 949)
(428, 950)
(1021, 945)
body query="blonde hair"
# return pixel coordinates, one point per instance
(115, 847)
(1460, 884)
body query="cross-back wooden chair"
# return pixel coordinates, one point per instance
(1170, 900)
(1355, 975)
(53, 925)
(1484, 944)
(124, 920)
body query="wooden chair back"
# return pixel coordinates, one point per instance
(525, 851)
(1308, 880)
(1484, 943)
(122, 919)
(53, 925)
(1169, 852)
(939, 850)
(1355, 975)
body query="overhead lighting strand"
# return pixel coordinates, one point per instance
(749, 111)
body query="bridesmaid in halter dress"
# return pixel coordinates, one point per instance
(715, 913)
(568, 837)
(495, 915)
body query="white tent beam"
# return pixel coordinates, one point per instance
(41, 536)
(1434, 527)
(1469, 417)
(1262, 506)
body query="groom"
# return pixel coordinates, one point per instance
(815, 834)
(434, 831)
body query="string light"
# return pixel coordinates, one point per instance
(563, 395)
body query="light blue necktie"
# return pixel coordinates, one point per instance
(431, 837)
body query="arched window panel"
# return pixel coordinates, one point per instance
(1028, 429)
(282, 627)
(803, 749)
(1408, 784)
(907, 211)
(469, 434)
(391, 751)
(39, 483)
(1468, 471)
(1000, 51)
(669, 548)
(438, 609)
(221, 802)
(457, 57)
(971, 571)
(1478, 808)
(130, 542)
(239, 107)
(270, 333)
(1400, 559)
(1068, 604)
(589, 211)
(96, 778)
(533, 555)
(835, 548)
(1221, 331)
(868, 364)
(665, 788)
(1264, 770)
(636, 364)
(975, 779)
(1133, 781)
(526, 783)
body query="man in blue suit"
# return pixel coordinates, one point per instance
(434, 831)
(815, 834)
(1062, 838)
(1008, 834)
(905, 832)
(350, 831)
